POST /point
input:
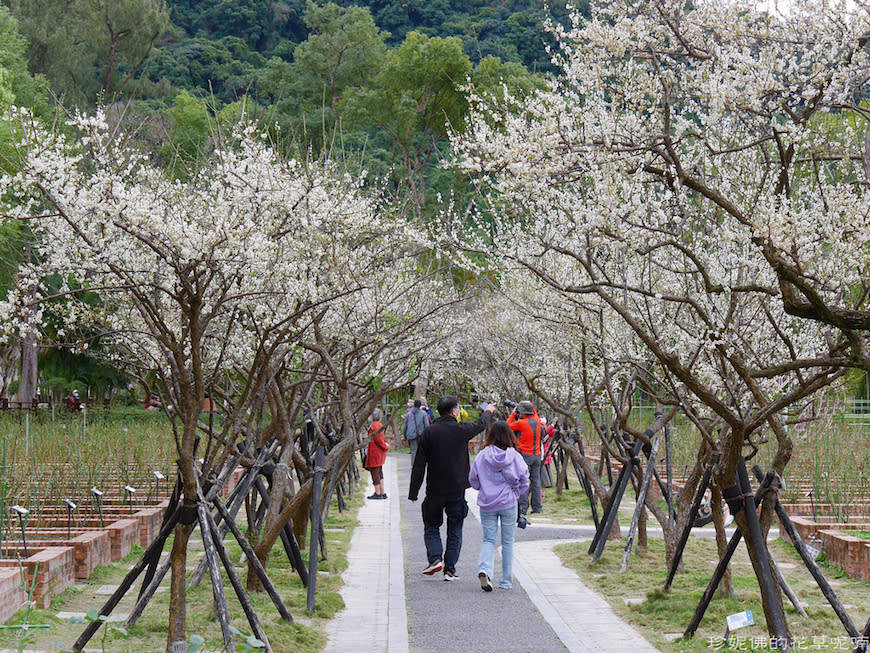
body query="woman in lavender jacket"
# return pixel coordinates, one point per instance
(500, 475)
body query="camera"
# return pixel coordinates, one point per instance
(522, 522)
(509, 404)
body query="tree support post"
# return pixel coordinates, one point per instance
(314, 539)
(129, 579)
(220, 601)
(716, 577)
(207, 524)
(693, 512)
(821, 581)
(771, 598)
(584, 481)
(600, 539)
(288, 540)
(236, 498)
(639, 506)
(252, 559)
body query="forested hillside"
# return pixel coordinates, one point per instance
(378, 82)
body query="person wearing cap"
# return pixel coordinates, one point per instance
(442, 456)
(527, 425)
(416, 422)
(74, 403)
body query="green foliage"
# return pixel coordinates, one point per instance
(417, 90)
(224, 68)
(261, 24)
(343, 51)
(90, 48)
(190, 132)
(17, 86)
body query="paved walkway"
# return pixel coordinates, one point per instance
(559, 611)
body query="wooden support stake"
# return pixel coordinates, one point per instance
(716, 577)
(784, 586)
(253, 560)
(777, 617)
(672, 512)
(821, 581)
(712, 585)
(613, 506)
(288, 540)
(128, 581)
(638, 508)
(220, 602)
(313, 539)
(241, 594)
(237, 498)
(693, 512)
(584, 481)
(147, 594)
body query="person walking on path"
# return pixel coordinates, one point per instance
(376, 455)
(525, 421)
(442, 456)
(416, 422)
(500, 475)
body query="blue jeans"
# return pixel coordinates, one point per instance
(534, 491)
(489, 521)
(412, 444)
(434, 508)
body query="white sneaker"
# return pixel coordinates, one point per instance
(448, 577)
(433, 568)
(485, 582)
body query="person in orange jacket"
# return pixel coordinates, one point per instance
(527, 425)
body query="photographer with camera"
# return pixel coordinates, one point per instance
(442, 457)
(524, 421)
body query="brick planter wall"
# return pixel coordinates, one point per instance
(92, 547)
(55, 573)
(149, 520)
(841, 549)
(123, 534)
(12, 595)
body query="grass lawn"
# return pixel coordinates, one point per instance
(149, 633)
(668, 613)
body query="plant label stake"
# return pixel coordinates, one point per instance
(813, 504)
(22, 512)
(735, 621)
(157, 478)
(70, 506)
(130, 492)
(98, 498)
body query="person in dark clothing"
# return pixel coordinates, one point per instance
(442, 455)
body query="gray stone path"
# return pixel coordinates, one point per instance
(391, 607)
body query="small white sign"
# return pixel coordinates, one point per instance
(740, 620)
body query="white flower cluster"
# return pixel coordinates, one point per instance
(682, 159)
(225, 273)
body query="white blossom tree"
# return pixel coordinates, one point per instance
(212, 284)
(692, 169)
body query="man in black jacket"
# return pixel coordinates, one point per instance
(442, 456)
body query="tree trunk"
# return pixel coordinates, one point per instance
(726, 587)
(29, 368)
(421, 386)
(178, 588)
(29, 365)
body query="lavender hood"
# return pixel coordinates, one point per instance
(500, 476)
